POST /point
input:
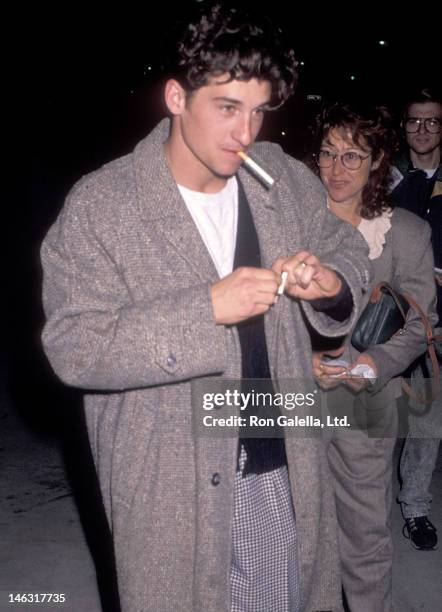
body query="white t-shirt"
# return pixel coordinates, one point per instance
(216, 217)
(429, 172)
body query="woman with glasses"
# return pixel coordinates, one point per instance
(353, 161)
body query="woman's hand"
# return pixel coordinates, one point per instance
(330, 376)
(327, 376)
(357, 383)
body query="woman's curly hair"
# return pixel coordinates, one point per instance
(370, 128)
(227, 40)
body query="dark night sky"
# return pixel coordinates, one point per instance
(81, 92)
(87, 92)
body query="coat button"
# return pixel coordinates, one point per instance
(216, 479)
(171, 360)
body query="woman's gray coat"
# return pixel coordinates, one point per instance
(362, 461)
(407, 264)
(129, 317)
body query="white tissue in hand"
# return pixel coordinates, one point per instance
(362, 370)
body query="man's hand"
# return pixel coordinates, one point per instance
(245, 293)
(307, 279)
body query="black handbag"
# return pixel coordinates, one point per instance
(384, 316)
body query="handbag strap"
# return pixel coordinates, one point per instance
(376, 294)
(431, 353)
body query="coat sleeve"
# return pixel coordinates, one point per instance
(413, 275)
(338, 246)
(97, 336)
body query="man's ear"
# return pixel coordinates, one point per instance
(175, 97)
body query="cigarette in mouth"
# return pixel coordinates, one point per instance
(280, 290)
(252, 165)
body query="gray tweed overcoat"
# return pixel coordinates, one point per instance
(129, 317)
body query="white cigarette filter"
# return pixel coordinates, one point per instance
(256, 169)
(282, 283)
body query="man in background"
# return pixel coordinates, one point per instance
(418, 187)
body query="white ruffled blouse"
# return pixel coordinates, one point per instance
(374, 231)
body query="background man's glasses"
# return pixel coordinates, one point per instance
(351, 160)
(431, 124)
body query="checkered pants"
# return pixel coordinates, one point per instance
(264, 568)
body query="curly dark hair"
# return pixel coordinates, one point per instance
(370, 128)
(229, 40)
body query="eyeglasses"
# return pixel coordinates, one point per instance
(351, 160)
(413, 124)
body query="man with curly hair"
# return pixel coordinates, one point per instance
(162, 270)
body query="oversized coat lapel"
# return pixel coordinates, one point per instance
(164, 209)
(266, 217)
(272, 241)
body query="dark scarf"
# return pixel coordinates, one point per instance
(415, 193)
(263, 454)
(415, 190)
